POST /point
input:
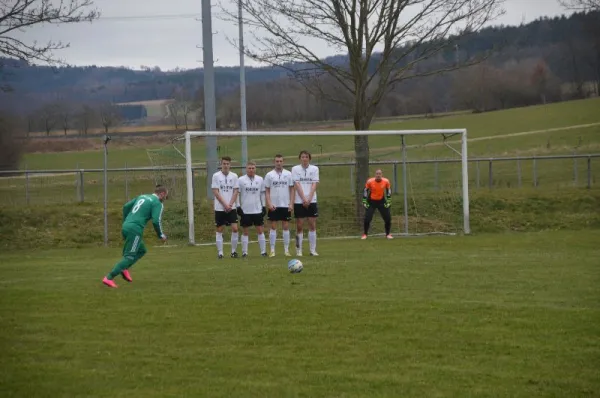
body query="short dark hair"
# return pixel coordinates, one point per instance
(278, 156)
(227, 158)
(305, 152)
(160, 189)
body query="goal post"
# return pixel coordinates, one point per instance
(463, 187)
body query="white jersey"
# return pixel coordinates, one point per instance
(279, 184)
(306, 177)
(226, 184)
(251, 193)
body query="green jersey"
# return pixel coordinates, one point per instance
(137, 213)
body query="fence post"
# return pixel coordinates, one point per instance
(352, 179)
(535, 181)
(26, 186)
(589, 172)
(575, 171)
(80, 189)
(395, 177)
(477, 173)
(126, 184)
(490, 175)
(519, 173)
(436, 180)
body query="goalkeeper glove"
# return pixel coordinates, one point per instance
(387, 203)
(240, 212)
(365, 203)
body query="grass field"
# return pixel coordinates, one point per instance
(532, 131)
(494, 314)
(489, 134)
(503, 315)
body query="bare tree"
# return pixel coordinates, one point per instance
(64, 116)
(539, 79)
(49, 116)
(173, 109)
(31, 122)
(85, 119)
(10, 146)
(385, 42)
(109, 116)
(581, 5)
(180, 111)
(17, 15)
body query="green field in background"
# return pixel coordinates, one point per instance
(491, 124)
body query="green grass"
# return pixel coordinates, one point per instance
(503, 315)
(491, 124)
(501, 210)
(550, 175)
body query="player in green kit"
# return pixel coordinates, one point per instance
(136, 214)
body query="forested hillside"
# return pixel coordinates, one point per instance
(546, 60)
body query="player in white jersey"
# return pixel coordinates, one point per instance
(252, 207)
(225, 189)
(279, 194)
(306, 180)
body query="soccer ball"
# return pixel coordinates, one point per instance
(295, 266)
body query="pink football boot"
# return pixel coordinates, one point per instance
(109, 283)
(126, 276)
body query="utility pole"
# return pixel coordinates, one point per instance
(243, 125)
(106, 139)
(456, 55)
(210, 109)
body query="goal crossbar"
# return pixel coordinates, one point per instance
(321, 133)
(189, 171)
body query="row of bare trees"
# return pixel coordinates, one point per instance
(186, 108)
(66, 117)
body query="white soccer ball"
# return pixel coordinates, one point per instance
(295, 266)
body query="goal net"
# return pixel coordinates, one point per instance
(428, 171)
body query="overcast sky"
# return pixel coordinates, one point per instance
(133, 33)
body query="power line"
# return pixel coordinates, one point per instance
(149, 17)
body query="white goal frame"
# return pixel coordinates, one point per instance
(401, 133)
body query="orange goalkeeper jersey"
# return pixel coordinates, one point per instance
(377, 190)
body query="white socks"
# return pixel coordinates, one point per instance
(286, 240)
(312, 240)
(219, 240)
(299, 239)
(244, 244)
(234, 242)
(262, 243)
(272, 238)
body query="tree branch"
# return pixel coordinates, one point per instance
(18, 15)
(581, 5)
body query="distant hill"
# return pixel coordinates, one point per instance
(568, 46)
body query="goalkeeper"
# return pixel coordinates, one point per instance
(377, 196)
(136, 214)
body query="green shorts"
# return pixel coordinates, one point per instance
(134, 247)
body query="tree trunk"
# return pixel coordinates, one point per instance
(361, 150)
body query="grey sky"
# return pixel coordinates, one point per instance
(121, 38)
